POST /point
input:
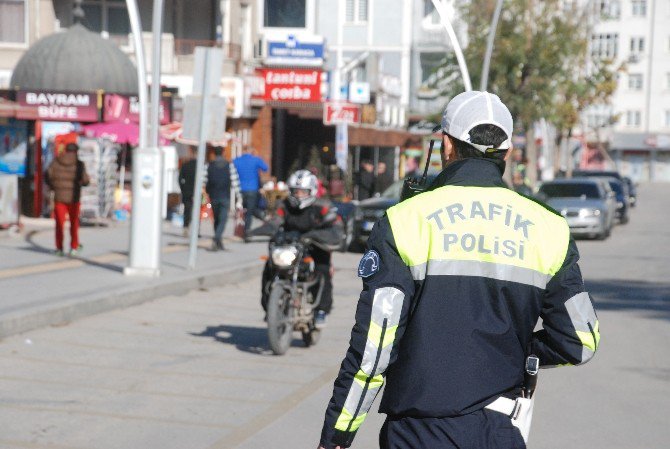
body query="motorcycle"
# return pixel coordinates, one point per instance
(292, 304)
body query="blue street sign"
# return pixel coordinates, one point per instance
(293, 49)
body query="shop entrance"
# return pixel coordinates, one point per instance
(299, 142)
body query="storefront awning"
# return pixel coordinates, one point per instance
(378, 137)
(363, 135)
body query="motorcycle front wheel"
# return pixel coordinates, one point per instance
(279, 321)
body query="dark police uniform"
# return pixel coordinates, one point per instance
(454, 282)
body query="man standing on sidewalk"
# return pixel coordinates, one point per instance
(221, 176)
(65, 176)
(248, 166)
(186, 185)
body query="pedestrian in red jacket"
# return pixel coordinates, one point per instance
(65, 176)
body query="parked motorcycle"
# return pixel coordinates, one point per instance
(291, 304)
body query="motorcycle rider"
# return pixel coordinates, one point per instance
(315, 218)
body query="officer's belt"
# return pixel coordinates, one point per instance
(509, 407)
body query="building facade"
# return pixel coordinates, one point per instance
(634, 34)
(377, 55)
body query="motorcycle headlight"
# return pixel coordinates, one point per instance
(589, 212)
(284, 256)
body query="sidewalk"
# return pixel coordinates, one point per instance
(40, 289)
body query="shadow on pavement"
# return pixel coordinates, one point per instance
(622, 294)
(36, 248)
(245, 339)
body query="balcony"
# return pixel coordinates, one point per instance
(185, 47)
(184, 52)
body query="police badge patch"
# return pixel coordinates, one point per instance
(369, 264)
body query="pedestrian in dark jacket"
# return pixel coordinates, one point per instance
(186, 184)
(366, 181)
(65, 176)
(221, 177)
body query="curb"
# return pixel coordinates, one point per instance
(67, 309)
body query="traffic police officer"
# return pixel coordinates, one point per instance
(454, 282)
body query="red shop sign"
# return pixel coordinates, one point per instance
(123, 108)
(59, 106)
(347, 113)
(292, 85)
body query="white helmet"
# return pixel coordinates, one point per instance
(302, 180)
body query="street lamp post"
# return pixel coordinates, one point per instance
(489, 46)
(441, 9)
(136, 29)
(145, 225)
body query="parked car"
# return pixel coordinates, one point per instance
(621, 199)
(632, 190)
(585, 203)
(368, 211)
(617, 183)
(596, 173)
(346, 212)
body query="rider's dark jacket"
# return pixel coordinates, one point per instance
(454, 282)
(319, 220)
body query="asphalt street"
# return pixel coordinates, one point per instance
(195, 371)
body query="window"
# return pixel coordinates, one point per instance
(605, 45)
(356, 11)
(430, 62)
(636, 44)
(639, 8)
(667, 118)
(667, 80)
(430, 15)
(110, 16)
(635, 81)
(13, 21)
(608, 9)
(633, 118)
(284, 14)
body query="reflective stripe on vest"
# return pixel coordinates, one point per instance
(479, 231)
(384, 320)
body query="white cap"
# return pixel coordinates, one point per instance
(470, 109)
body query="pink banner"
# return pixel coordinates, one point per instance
(122, 108)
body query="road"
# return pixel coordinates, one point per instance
(195, 371)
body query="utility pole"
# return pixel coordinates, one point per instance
(145, 225)
(441, 9)
(483, 85)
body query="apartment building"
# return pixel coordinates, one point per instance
(634, 33)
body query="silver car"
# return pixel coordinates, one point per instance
(585, 203)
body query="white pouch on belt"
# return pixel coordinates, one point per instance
(524, 416)
(520, 410)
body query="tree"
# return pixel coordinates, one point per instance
(539, 66)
